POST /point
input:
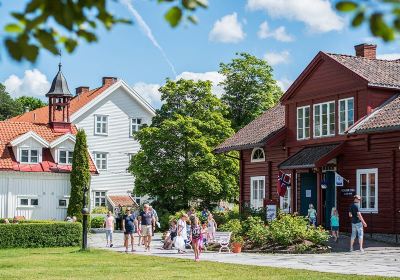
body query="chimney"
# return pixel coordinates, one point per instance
(109, 80)
(81, 89)
(366, 50)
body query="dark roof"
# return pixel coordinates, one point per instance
(378, 72)
(384, 118)
(257, 132)
(310, 157)
(59, 85)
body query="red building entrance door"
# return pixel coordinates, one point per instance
(308, 192)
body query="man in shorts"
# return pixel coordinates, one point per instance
(357, 223)
(148, 222)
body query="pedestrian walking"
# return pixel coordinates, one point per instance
(129, 224)
(312, 215)
(357, 223)
(212, 227)
(195, 236)
(335, 224)
(155, 217)
(147, 222)
(109, 222)
(182, 234)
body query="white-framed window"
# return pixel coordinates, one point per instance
(303, 122)
(367, 188)
(257, 192)
(63, 202)
(101, 124)
(257, 155)
(28, 201)
(136, 124)
(324, 119)
(101, 160)
(99, 198)
(65, 157)
(29, 155)
(346, 114)
(285, 201)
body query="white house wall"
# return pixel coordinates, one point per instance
(118, 144)
(47, 187)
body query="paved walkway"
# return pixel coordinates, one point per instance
(378, 259)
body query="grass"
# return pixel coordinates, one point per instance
(70, 263)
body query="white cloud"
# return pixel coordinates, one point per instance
(389, 56)
(284, 83)
(318, 15)
(278, 34)
(212, 76)
(33, 83)
(227, 30)
(149, 92)
(274, 58)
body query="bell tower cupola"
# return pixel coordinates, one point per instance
(59, 103)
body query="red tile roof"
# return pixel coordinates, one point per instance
(11, 130)
(384, 118)
(123, 200)
(378, 72)
(256, 132)
(41, 115)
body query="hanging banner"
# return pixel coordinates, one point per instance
(339, 180)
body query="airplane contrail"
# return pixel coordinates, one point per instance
(147, 31)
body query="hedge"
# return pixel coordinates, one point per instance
(35, 235)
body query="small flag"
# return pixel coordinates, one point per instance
(283, 183)
(339, 180)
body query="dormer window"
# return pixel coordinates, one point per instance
(29, 156)
(257, 155)
(65, 157)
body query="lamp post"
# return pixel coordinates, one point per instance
(85, 213)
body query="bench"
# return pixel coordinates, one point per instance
(223, 238)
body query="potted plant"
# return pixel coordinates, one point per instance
(237, 243)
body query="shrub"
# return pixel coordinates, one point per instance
(257, 234)
(97, 222)
(100, 210)
(251, 221)
(233, 226)
(54, 234)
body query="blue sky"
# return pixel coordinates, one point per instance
(288, 33)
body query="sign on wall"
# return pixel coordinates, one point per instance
(270, 210)
(348, 192)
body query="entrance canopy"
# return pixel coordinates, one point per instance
(311, 157)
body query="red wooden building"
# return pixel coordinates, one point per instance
(340, 116)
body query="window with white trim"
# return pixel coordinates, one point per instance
(136, 124)
(29, 156)
(65, 157)
(101, 124)
(285, 201)
(346, 114)
(303, 122)
(26, 201)
(324, 119)
(63, 202)
(101, 160)
(99, 198)
(257, 192)
(367, 188)
(257, 155)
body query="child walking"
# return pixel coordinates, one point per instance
(312, 215)
(195, 234)
(212, 227)
(109, 222)
(335, 224)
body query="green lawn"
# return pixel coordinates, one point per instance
(70, 263)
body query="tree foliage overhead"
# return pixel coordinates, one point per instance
(382, 16)
(8, 106)
(250, 88)
(54, 24)
(176, 163)
(80, 175)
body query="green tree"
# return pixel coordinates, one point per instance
(30, 103)
(381, 16)
(8, 107)
(176, 163)
(50, 25)
(80, 175)
(250, 88)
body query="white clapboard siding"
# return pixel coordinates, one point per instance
(47, 187)
(119, 106)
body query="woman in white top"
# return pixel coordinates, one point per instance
(181, 232)
(212, 227)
